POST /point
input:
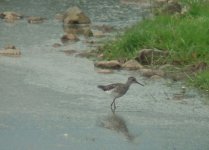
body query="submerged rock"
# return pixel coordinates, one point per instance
(59, 16)
(69, 37)
(78, 29)
(56, 45)
(113, 64)
(35, 19)
(87, 32)
(69, 52)
(10, 51)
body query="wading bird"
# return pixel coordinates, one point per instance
(118, 89)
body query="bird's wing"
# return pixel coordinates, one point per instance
(108, 87)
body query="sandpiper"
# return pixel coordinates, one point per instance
(118, 89)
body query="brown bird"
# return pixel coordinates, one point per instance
(118, 89)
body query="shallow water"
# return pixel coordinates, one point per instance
(50, 101)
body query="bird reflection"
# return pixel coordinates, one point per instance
(116, 123)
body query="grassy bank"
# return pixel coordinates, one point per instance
(186, 37)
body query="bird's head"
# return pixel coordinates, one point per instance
(133, 80)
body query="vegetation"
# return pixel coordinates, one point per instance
(186, 37)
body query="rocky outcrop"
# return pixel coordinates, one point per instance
(132, 65)
(10, 51)
(149, 56)
(112, 64)
(10, 16)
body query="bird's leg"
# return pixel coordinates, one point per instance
(113, 102)
(113, 111)
(114, 105)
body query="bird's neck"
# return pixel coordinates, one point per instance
(128, 83)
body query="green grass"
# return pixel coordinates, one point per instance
(201, 80)
(186, 37)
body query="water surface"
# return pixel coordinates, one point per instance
(50, 101)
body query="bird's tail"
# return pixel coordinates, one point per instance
(101, 87)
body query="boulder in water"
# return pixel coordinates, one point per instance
(75, 15)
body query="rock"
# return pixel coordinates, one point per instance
(78, 29)
(69, 37)
(199, 67)
(87, 32)
(100, 56)
(98, 34)
(132, 65)
(10, 16)
(167, 67)
(35, 19)
(69, 52)
(140, 3)
(113, 64)
(10, 51)
(105, 71)
(86, 54)
(56, 45)
(158, 3)
(149, 56)
(177, 76)
(151, 72)
(76, 22)
(75, 15)
(9, 47)
(72, 29)
(155, 77)
(170, 69)
(172, 8)
(105, 28)
(59, 16)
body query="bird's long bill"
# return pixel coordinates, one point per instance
(139, 83)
